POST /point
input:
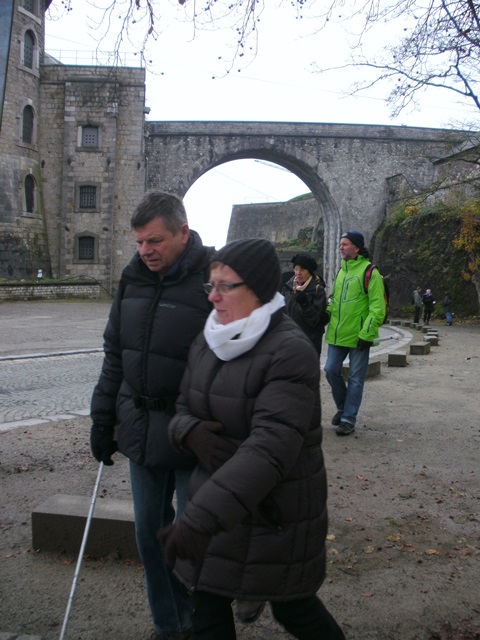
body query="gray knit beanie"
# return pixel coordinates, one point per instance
(256, 262)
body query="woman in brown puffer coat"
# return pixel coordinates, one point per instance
(249, 409)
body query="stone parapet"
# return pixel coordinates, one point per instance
(50, 291)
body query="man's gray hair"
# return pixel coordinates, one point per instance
(159, 204)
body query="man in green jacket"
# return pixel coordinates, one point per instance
(355, 316)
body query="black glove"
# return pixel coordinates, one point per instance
(181, 541)
(211, 449)
(302, 298)
(363, 345)
(102, 444)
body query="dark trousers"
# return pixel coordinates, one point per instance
(416, 317)
(306, 619)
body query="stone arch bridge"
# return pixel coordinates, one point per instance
(345, 166)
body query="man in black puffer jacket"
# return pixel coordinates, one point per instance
(159, 308)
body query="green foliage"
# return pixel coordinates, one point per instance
(415, 248)
(304, 196)
(468, 238)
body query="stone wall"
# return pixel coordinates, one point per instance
(275, 221)
(50, 291)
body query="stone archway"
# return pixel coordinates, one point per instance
(303, 168)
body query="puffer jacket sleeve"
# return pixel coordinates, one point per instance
(376, 308)
(280, 419)
(105, 393)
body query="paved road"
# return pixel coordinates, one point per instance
(34, 384)
(38, 384)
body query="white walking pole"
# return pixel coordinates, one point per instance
(82, 550)
(378, 340)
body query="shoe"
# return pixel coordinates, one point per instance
(345, 429)
(247, 612)
(337, 418)
(181, 635)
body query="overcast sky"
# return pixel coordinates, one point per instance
(187, 81)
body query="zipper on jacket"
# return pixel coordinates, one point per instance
(340, 303)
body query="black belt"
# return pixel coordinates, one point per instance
(158, 404)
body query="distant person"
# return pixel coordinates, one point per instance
(447, 309)
(256, 520)
(355, 316)
(417, 305)
(428, 306)
(305, 298)
(159, 308)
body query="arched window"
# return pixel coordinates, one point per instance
(28, 48)
(30, 193)
(27, 124)
(86, 248)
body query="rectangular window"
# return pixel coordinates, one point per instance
(86, 248)
(28, 46)
(27, 125)
(89, 136)
(87, 197)
(29, 5)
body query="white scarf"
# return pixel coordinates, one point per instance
(228, 341)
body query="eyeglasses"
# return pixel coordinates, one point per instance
(222, 288)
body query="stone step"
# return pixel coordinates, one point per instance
(59, 523)
(431, 339)
(397, 359)
(419, 348)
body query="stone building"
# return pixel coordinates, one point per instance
(71, 156)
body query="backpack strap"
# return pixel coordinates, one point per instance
(367, 275)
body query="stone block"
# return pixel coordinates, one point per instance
(374, 369)
(419, 348)
(58, 525)
(15, 636)
(406, 323)
(432, 340)
(427, 329)
(397, 359)
(395, 323)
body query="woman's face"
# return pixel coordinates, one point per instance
(237, 303)
(301, 274)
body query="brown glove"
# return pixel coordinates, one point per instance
(181, 541)
(211, 449)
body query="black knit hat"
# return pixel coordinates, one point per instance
(355, 238)
(305, 261)
(256, 262)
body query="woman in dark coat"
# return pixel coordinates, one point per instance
(305, 298)
(255, 525)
